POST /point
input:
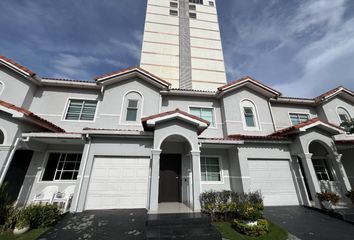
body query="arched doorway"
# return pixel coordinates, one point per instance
(175, 171)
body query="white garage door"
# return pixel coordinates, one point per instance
(118, 183)
(274, 179)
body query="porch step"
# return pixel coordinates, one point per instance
(181, 226)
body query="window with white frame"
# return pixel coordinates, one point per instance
(343, 114)
(249, 115)
(174, 4)
(192, 7)
(193, 15)
(321, 169)
(81, 110)
(62, 166)
(210, 169)
(196, 1)
(211, 4)
(297, 118)
(203, 113)
(132, 107)
(173, 12)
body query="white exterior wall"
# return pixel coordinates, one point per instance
(330, 109)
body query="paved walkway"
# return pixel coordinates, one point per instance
(114, 224)
(308, 224)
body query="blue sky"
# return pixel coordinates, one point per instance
(300, 47)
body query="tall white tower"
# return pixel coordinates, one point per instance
(182, 43)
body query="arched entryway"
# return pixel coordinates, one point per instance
(321, 161)
(175, 171)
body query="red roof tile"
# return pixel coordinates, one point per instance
(29, 72)
(68, 80)
(333, 91)
(288, 130)
(263, 138)
(177, 110)
(248, 78)
(36, 119)
(130, 69)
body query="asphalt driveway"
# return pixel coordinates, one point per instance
(107, 224)
(308, 224)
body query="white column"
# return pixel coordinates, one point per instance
(196, 180)
(244, 171)
(154, 182)
(311, 175)
(341, 174)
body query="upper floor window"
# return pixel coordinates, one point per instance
(203, 113)
(2, 137)
(210, 169)
(192, 7)
(249, 115)
(173, 12)
(192, 15)
(297, 118)
(62, 166)
(343, 114)
(174, 4)
(132, 107)
(81, 110)
(196, 1)
(211, 3)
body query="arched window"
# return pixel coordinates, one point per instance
(249, 115)
(132, 108)
(2, 137)
(1, 87)
(343, 114)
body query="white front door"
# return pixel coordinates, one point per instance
(275, 180)
(118, 183)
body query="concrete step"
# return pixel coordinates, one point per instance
(178, 219)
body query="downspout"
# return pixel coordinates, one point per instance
(9, 159)
(272, 116)
(83, 172)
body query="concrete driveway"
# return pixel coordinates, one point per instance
(107, 224)
(306, 224)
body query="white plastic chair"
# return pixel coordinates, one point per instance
(63, 199)
(46, 195)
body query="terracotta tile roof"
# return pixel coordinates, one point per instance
(131, 69)
(350, 142)
(263, 138)
(177, 110)
(68, 80)
(191, 90)
(333, 91)
(36, 119)
(110, 129)
(222, 88)
(29, 72)
(291, 129)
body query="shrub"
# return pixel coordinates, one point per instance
(228, 205)
(37, 216)
(328, 196)
(254, 231)
(6, 204)
(350, 194)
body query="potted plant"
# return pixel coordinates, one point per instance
(328, 199)
(22, 222)
(350, 195)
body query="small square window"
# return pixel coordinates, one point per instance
(192, 15)
(211, 3)
(173, 13)
(192, 7)
(174, 4)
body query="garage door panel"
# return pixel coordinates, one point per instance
(118, 183)
(275, 181)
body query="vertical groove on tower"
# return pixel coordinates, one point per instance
(185, 60)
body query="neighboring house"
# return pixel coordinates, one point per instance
(128, 140)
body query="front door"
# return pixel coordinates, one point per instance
(170, 178)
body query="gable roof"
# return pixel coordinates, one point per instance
(346, 93)
(251, 83)
(129, 73)
(150, 122)
(16, 66)
(19, 112)
(301, 127)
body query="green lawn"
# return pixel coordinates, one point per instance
(31, 235)
(275, 232)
